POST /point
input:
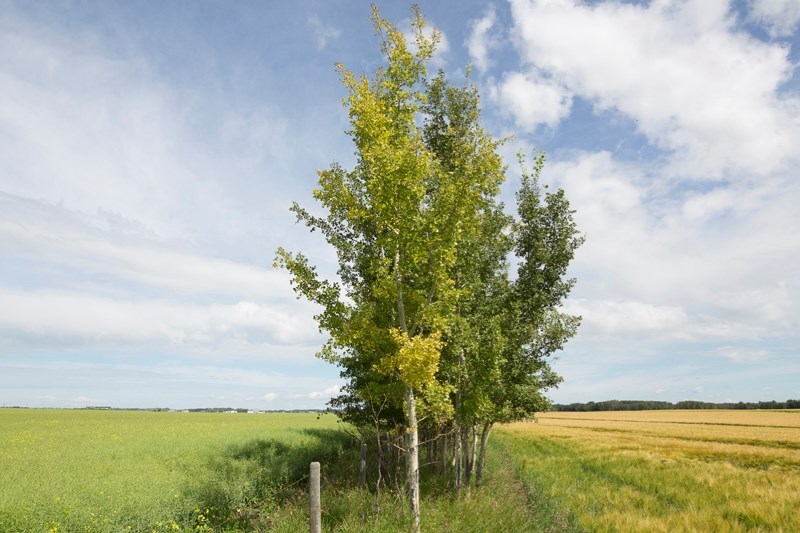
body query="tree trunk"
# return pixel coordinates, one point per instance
(466, 435)
(457, 460)
(380, 465)
(473, 456)
(412, 447)
(487, 427)
(412, 459)
(457, 431)
(444, 454)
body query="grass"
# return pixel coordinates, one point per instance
(503, 503)
(665, 470)
(102, 471)
(119, 471)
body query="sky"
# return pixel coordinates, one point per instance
(149, 153)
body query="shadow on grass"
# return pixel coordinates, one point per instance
(241, 488)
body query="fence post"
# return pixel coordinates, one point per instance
(315, 508)
(362, 466)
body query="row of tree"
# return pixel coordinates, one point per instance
(644, 405)
(436, 340)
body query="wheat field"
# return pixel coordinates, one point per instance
(665, 470)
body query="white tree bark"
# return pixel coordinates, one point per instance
(412, 458)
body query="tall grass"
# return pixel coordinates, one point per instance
(503, 503)
(694, 471)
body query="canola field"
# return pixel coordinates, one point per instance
(665, 471)
(138, 471)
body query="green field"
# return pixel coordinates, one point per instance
(107, 471)
(116, 471)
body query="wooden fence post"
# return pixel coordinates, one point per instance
(362, 466)
(315, 508)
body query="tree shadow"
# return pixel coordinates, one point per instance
(246, 483)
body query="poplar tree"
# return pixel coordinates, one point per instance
(423, 319)
(395, 221)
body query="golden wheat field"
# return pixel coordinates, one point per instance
(670, 471)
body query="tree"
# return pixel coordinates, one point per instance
(395, 221)
(424, 321)
(509, 330)
(469, 361)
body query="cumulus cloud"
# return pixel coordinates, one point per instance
(666, 256)
(480, 42)
(695, 85)
(327, 393)
(694, 266)
(531, 99)
(780, 17)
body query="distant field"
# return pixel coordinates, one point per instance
(115, 471)
(665, 470)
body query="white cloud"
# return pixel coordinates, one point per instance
(127, 217)
(623, 319)
(696, 265)
(270, 396)
(87, 132)
(326, 393)
(780, 17)
(694, 84)
(710, 204)
(531, 100)
(103, 135)
(50, 234)
(322, 32)
(668, 258)
(480, 42)
(67, 318)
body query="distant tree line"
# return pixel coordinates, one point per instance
(645, 405)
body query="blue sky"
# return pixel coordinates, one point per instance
(149, 153)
